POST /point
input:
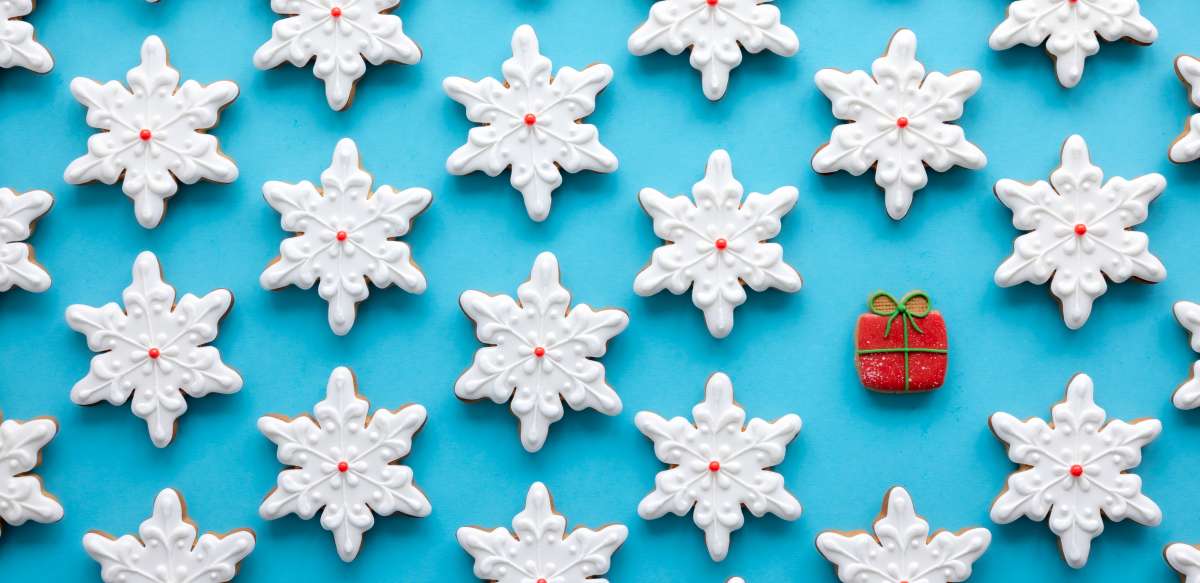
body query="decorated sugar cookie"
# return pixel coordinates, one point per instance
(1187, 395)
(345, 461)
(900, 122)
(902, 549)
(166, 549)
(342, 36)
(715, 31)
(1185, 559)
(346, 235)
(539, 549)
(19, 214)
(1074, 470)
(901, 346)
(18, 41)
(1080, 231)
(532, 123)
(1186, 147)
(22, 497)
(718, 466)
(154, 350)
(717, 244)
(541, 352)
(1071, 30)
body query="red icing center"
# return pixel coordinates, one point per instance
(714, 466)
(343, 467)
(530, 119)
(153, 353)
(336, 12)
(713, 2)
(342, 235)
(145, 135)
(721, 244)
(539, 352)
(1077, 470)
(1081, 229)
(902, 122)
(541, 581)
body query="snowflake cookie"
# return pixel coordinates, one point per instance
(541, 352)
(1069, 28)
(1186, 147)
(902, 549)
(345, 236)
(533, 123)
(539, 549)
(22, 497)
(716, 31)
(717, 244)
(345, 462)
(18, 42)
(899, 122)
(154, 350)
(1185, 559)
(18, 215)
(166, 549)
(1187, 395)
(153, 133)
(717, 466)
(340, 34)
(1074, 470)
(1080, 232)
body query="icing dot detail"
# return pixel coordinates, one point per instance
(1081, 229)
(713, 2)
(539, 352)
(336, 12)
(343, 467)
(145, 135)
(541, 581)
(902, 122)
(721, 244)
(714, 466)
(154, 353)
(1077, 470)
(530, 119)
(342, 235)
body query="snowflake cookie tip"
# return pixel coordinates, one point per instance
(24, 498)
(19, 46)
(1186, 147)
(19, 214)
(1185, 560)
(1187, 394)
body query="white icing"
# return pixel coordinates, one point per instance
(151, 323)
(743, 477)
(18, 214)
(1069, 29)
(898, 92)
(902, 549)
(1187, 146)
(690, 258)
(557, 140)
(371, 223)
(1047, 454)
(362, 29)
(175, 117)
(716, 35)
(1185, 559)
(1187, 396)
(18, 41)
(569, 338)
(539, 546)
(342, 432)
(21, 495)
(166, 549)
(1077, 195)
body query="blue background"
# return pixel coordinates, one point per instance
(788, 352)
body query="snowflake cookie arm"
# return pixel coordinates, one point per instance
(22, 497)
(716, 33)
(1187, 395)
(18, 41)
(18, 215)
(1186, 147)
(1185, 560)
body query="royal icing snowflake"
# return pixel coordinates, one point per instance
(1069, 28)
(166, 549)
(341, 35)
(717, 466)
(902, 549)
(345, 236)
(345, 462)
(1074, 470)
(1187, 146)
(18, 42)
(21, 495)
(541, 352)
(532, 123)
(716, 31)
(1187, 396)
(717, 244)
(153, 350)
(899, 122)
(18, 214)
(1185, 559)
(539, 548)
(153, 133)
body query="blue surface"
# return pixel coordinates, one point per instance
(787, 353)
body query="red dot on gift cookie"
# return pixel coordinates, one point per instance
(1077, 470)
(154, 353)
(721, 244)
(1081, 229)
(342, 235)
(714, 466)
(343, 467)
(530, 119)
(336, 12)
(539, 352)
(902, 122)
(145, 135)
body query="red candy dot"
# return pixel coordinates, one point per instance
(713, 2)
(539, 352)
(721, 244)
(1081, 229)
(342, 235)
(154, 353)
(541, 581)
(145, 135)
(336, 12)
(530, 119)
(902, 122)
(1076, 470)
(343, 467)
(714, 466)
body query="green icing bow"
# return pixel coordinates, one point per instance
(908, 318)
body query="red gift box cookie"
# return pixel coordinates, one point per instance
(901, 346)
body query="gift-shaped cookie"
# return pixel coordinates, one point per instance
(901, 346)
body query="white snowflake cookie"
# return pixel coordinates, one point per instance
(718, 467)
(532, 123)
(1074, 470)
(22, 497)
(1185, 559)
(345, 462)
(19, 214)
(899, 122)
(153, 133)
(339, 34)
(716, 31)
(1187, 395)
(345, 236)
(1080, 231)
(1186, 147)
(902, 549)
(18, 41)
(539, 549)
(166, 549)
(154, 350)
(1069, 28)
(717, 244)
(540, 352)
